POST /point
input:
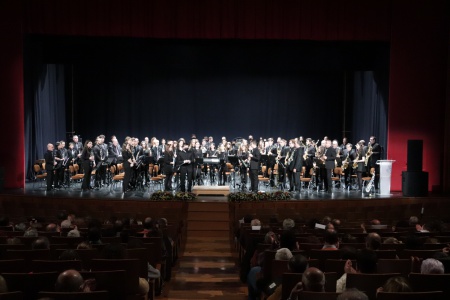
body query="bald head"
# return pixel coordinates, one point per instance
(373, 241)
(69, 281)
(313, 280)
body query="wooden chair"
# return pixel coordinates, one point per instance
(72, 242)
(39, 176)
(397, 247)
(366, 179)
(55, 265)
(323, 255)
(368, 283)
(337, 172)
(431, 282)
(11, 295)
(74, 176)
(402, 266)
(304, 295)
(30, 283)
(14, 266)
(435, 295)
(305, 181)
(94, 295)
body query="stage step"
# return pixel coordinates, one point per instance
(211, 190)
(208, 219)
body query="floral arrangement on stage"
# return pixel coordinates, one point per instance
(259, 196)
(169, 196)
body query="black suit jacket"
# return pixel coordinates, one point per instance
(254, 161)
(49, 160)
(297, 161)
(330, 153)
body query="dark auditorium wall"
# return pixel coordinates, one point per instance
(417, 30)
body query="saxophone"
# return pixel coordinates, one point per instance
(277, 159)
(370, 184)
(355, 163)
(368, 154)
(345, 162)
(289, 157)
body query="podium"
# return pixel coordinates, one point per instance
(385, 176)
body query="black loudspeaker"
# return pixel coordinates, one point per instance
(415, 184)
(415, 154)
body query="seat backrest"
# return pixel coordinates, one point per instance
(14, 266)
(111, 281)
(289, 280)
(131, 266)
(11, 295)
(279, 267)
(424, 254)
(435, 295)
(431, 282)
(28, 255)
(55, 265)
(141, 254)
(94, 295)
(305, 295)
(323, 255)
(336, 266)
(386, 254)
(402, 266)
(30, 283)
(368, 283)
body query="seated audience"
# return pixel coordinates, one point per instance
(331, 241)
(41, 242)
(352, 294)
(366, 261)
(373, 241)
(397, 284)
(69, 281)
(432, 266)
(313, 280)
(3, 285)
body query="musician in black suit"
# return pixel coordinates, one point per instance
(310, 153)
(282, 162)
(296, 166)
(290, 164)
(128, 163)
(115, 151)
(254, 156)
(184, 161)
(198, 156)
(77, 144)
(242, 154)
(168, 167)
(100, 158)
(348, 156)
(271, 152)
(376, 156)
(50, 163)
(359, 162)
(72, 154)
(88, 162)
(329, 157)
(223, 156)
(61, 159)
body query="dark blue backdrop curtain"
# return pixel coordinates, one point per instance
(370, 107)
(44, 113)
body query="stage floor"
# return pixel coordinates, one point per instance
(143, 195)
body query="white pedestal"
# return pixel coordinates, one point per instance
(385, 176)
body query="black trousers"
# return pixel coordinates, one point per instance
(186, 171)
(328, 182)
(87, 175)
(254, 180)
(168, 181)
(126, 177)
(296, 181)
(50, 178)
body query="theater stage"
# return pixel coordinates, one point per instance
(103, 203)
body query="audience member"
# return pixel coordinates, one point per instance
(283, 254)
(331, 241)
(41, 242)
(94, 235)
(373, 241)
(313, 280)
(3, 285)
(397, 284)
(69, 281)
(69, 254)
(432, 266)
(352, 294)
(73, 233)
(288, 224)
(31, 232)
(84, 246)
(288, 240)
(52, 227)
(366, 261)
